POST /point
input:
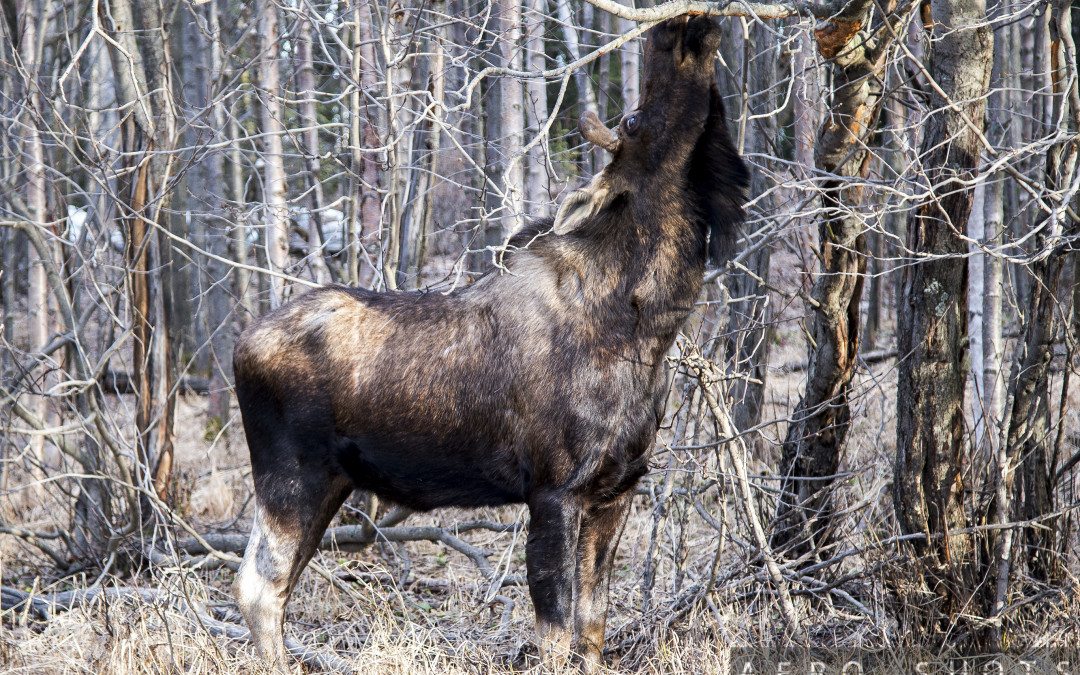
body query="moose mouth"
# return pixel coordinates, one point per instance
(672, 48)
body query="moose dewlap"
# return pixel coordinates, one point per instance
(540, 384)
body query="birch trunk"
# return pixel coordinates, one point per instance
(630, 64)
(512, 116)
(992, 384)
(309, 120)
(586, 94)
(276, 231)
(976, 230)
(536, 186)
(37, 300)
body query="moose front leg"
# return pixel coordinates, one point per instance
(601, 528)
(550, 557)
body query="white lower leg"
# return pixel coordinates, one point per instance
(261, 587)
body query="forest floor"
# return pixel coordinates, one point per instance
(421, 607)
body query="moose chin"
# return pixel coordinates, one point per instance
(541, 383)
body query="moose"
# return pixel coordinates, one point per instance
(541, 383)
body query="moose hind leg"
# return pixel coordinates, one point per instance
(287, 530)
(601, 529)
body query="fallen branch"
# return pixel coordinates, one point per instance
(869, 358)
(354, 538)
(442, 585)
(121, 383)
(508, 611)
(35, 539)
(45, 607)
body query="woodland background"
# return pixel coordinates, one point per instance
(873, 438)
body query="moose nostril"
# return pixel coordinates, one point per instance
(702, 35)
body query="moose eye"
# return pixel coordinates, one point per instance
(631, 123)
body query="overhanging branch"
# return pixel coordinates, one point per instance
(761, 10)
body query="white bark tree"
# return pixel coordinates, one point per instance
(537, 193)
(275, 235)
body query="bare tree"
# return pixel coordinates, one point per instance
(38, 290)
(139, 63)
(930, 423)
(537, 195)
(275, 234)
(820, 422)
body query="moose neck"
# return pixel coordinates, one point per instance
(673, 254)
(642, 263)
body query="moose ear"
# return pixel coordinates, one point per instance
(579, 206)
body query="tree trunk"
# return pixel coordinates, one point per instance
(365, 204)
(309, 120)
(242, 278)
(276, 231)
(512, 114)
(370, 200)
(37, 301)
(586, 94)
(976, 231)
(928, 491)
(396, 40)
(993, 380)
(138, 65)
(749, 327)
(427, 137)
(219, 304)
(805, 98)
(630, 57)
(490, 105)
(1030, 436)
(536, 185)
(820, 422)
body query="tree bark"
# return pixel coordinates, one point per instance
(427, 135)
(219, 303)
(820, 422)
(512, 115)
(1030, 435)
(276, 231)
(309, 120)
(238, 243)
(536, 183)
(396, 39)
(586, 94)
(750, 323)
(928, 489)
(141, 76)
(37, 301)
(993, 380)
(365, 204)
